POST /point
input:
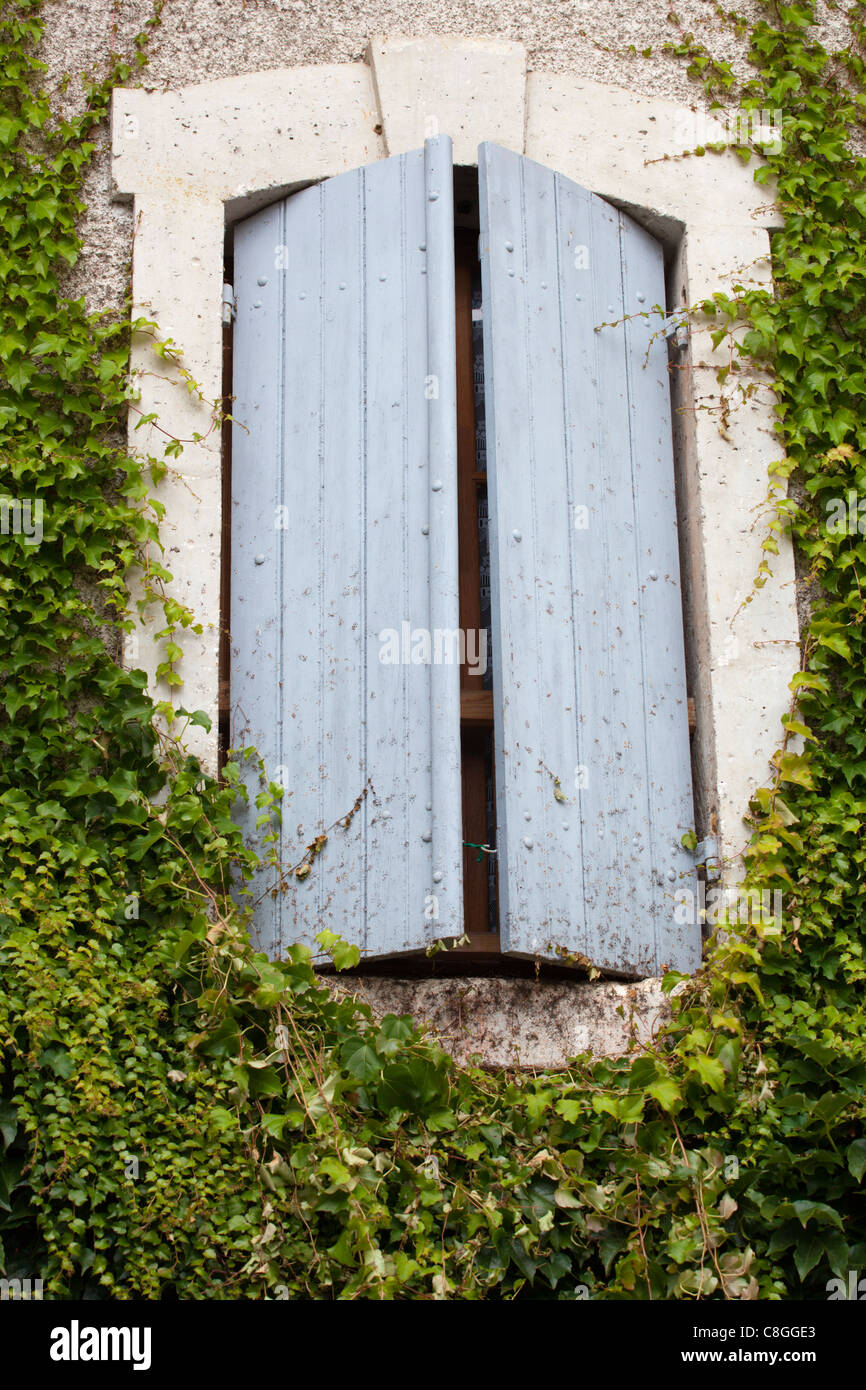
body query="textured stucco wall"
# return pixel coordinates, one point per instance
(526, 1024)
(504, 1022)
(203, 39)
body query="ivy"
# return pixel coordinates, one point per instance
(180, 1116)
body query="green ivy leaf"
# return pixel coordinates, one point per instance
(361, 1060)
(856, 1156)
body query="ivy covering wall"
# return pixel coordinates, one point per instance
(182, 1117)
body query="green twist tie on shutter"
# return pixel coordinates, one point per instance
(482, 850)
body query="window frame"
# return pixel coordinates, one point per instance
(196, 159)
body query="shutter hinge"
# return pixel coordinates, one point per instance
(676, 327)
(707, 853)
(230, 307)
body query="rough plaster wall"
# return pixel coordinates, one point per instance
(203, 39)
(522, 1023)
(505, 1021)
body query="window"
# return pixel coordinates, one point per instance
(359, 583)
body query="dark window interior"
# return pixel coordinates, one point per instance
(476, 689)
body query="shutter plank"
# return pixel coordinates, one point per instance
(255, 625)
(592, 666)
(659, 598)
(446, 789)
(324, 583)
(613, 803)
(345, 368)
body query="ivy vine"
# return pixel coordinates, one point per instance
(181, 1116)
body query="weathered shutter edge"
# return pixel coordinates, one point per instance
(646, 360)
(446, 771)
(249, 330)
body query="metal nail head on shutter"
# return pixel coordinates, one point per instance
(344, 553)
(593, 766)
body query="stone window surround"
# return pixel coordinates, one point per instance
(198, 159)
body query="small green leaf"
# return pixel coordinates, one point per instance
(361, 1060)
(856, 1157)
(807, 1253)
(666, 1091)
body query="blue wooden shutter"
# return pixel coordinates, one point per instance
(593, 766)
(344, 526)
